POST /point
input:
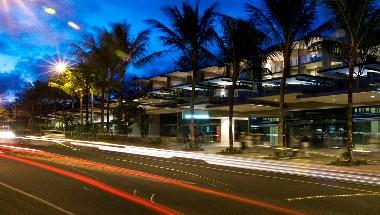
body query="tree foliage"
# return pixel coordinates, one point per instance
(125, 115)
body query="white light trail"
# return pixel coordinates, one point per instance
(316, 171)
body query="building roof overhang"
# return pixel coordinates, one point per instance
(342, 71)
(301, 79)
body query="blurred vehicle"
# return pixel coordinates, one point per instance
(7, 136)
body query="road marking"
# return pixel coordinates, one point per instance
(152, 198)
(334, 196)
(187, 182)
(176, 170)
(37, 199)
(87, 189)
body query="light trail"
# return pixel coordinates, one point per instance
(334, 196)
(269, 166)
(154, 207)
(8, 7)
(157, 178)
(16, 148)
(315, 171)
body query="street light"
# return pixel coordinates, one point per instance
(60, 67)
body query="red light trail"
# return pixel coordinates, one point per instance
(157, 208)
(149, 176)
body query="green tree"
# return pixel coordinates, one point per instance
(240, 46)
(190, 32)
(360, 19)
(85, 69)
(125, 115)
(73, 86)
(39, 99)
(4, 115)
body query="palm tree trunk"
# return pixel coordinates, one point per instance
(349, 106)
(282, 110)
(87, 106)
(72, 106)
(121, 86)
(231, 98)
(108, 110)
(102, 109)
(81, 108)
(92, 106)
(193, 142)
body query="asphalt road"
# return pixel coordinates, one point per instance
(60, 179)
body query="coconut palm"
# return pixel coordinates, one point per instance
(286, 23)
(84, 68)
(190, 32)
(239, 43)
(360, 19)
(130, 50)
(103, 61)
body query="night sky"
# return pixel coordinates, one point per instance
(32, 35)
(35, 33)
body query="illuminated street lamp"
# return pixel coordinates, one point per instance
(60, 67)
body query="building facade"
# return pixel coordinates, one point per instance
(316, 99)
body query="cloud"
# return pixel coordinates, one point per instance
(27, 70)
(10, 83)
(31, 69)
(29, 37)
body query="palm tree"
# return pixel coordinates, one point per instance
(286, 23)
(130, 50)
(103, 61)
(360, 20)
(239, 44)
(190, 33)
(86, 67)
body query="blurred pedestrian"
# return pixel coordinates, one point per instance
(186, 139)
(242, 138)
(305, 145)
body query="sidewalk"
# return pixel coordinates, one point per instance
(316, 157)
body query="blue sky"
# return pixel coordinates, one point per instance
(30, 37)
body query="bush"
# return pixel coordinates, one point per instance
(229, 151)
(340, 162)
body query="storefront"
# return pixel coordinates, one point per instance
(323, 128)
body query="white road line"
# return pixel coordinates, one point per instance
(334, 196)
(37, 199)
(152, 198)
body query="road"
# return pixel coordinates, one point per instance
(57, 178)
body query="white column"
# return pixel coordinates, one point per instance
(224, 131)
